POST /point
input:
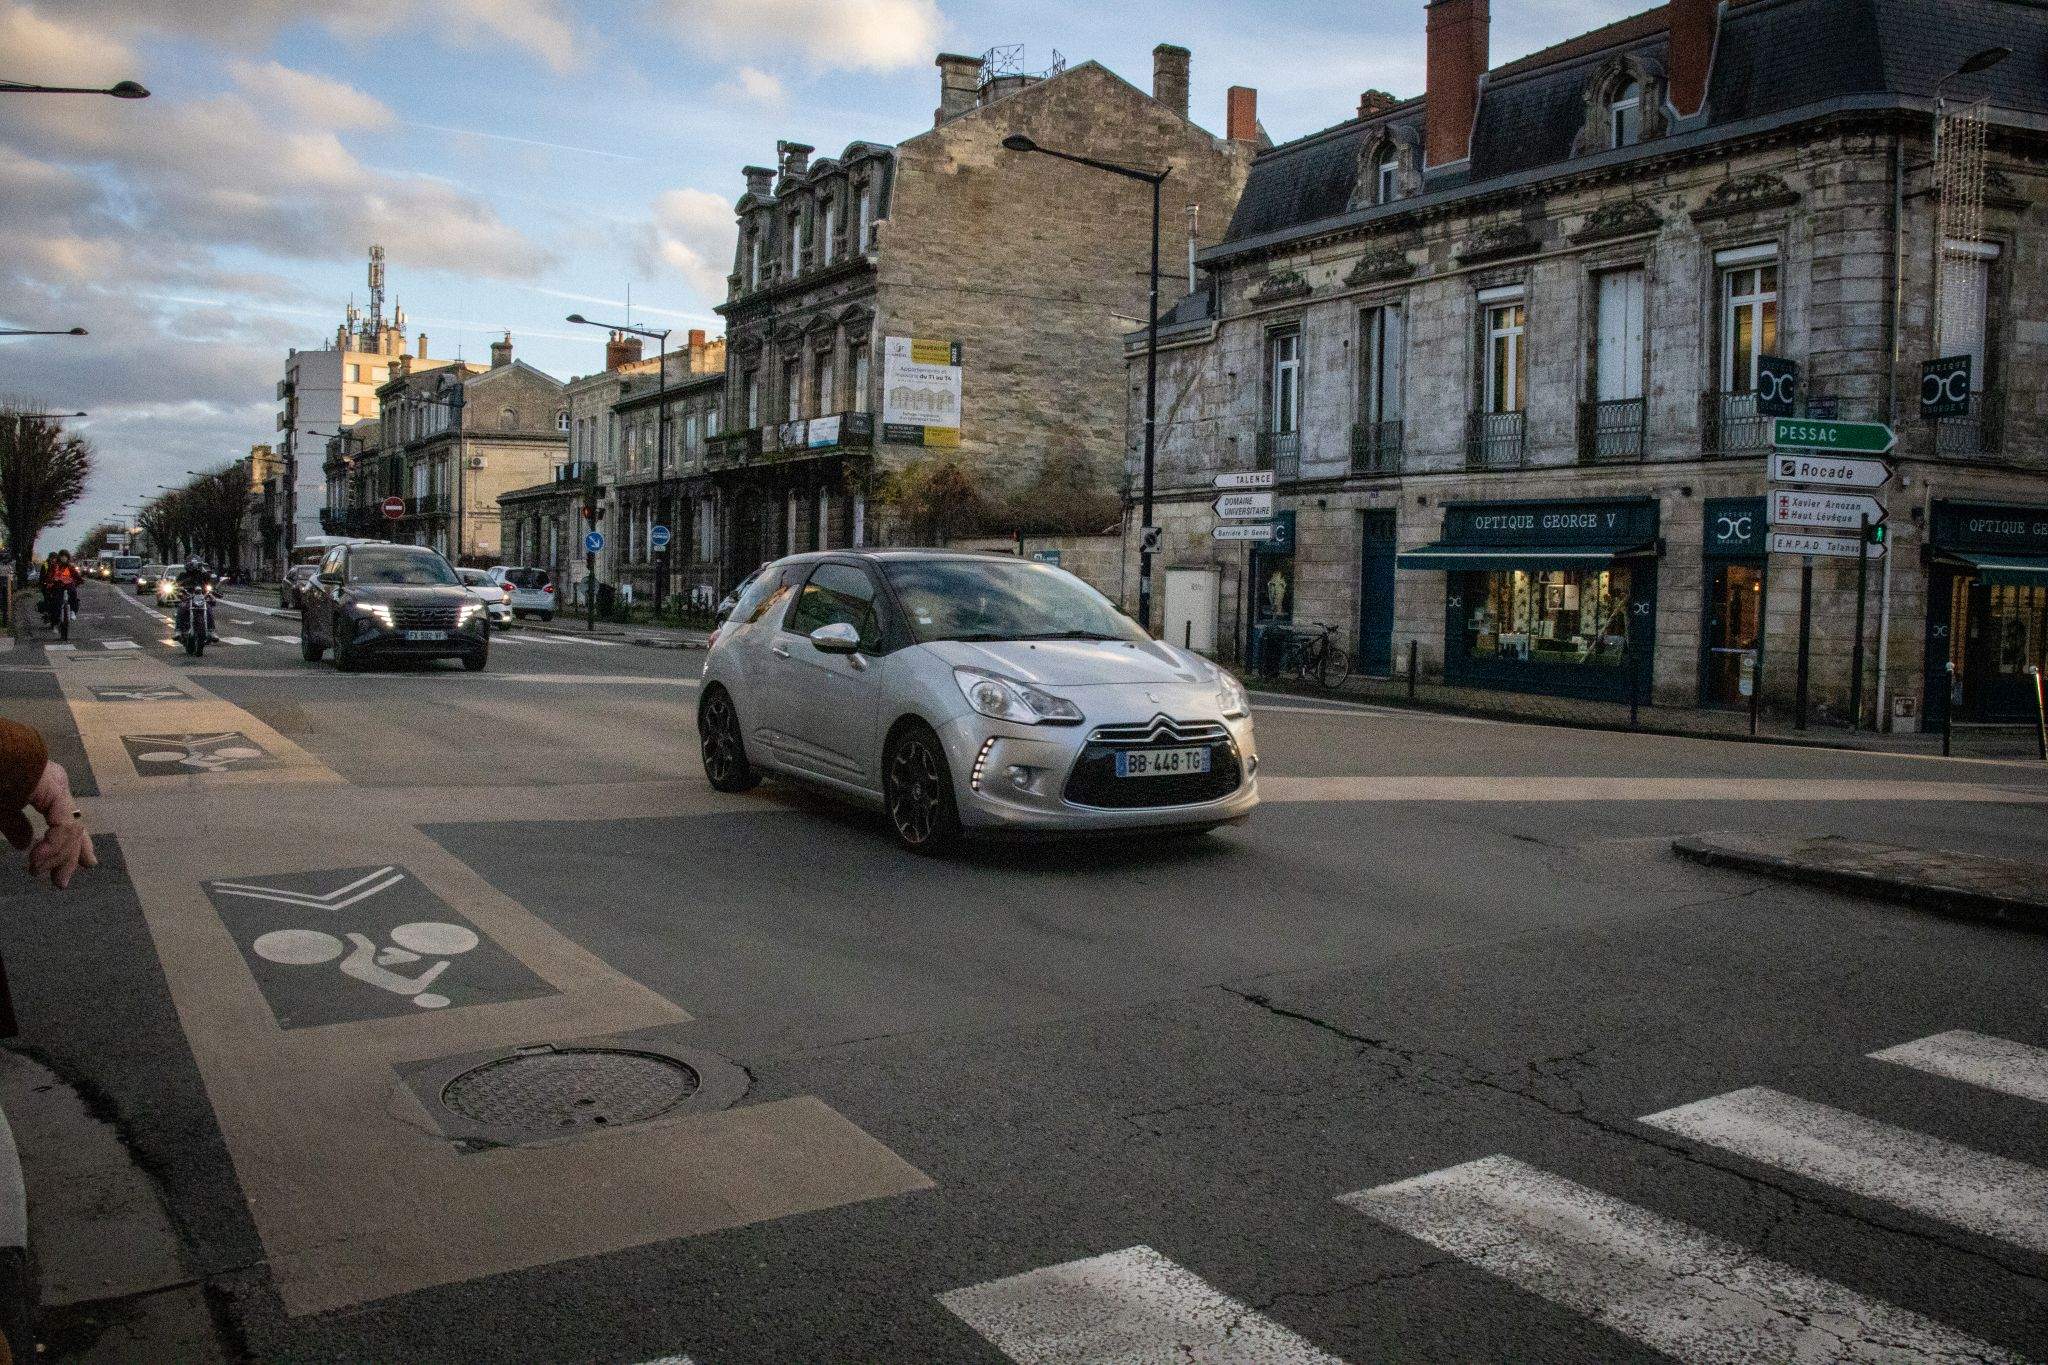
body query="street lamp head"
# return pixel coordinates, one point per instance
(1017, 142)
(1983, 61)
(578, 317)
(128, 90)
(76, 332)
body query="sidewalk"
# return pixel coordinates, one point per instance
(2003, 742)
(1931, 879)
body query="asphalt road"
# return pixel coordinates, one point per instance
(1441, 1056)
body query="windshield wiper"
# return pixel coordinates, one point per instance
(1067, 635)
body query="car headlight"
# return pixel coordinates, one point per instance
(1231, 696)
(469, 612)
(1001, 698)
(375, 611)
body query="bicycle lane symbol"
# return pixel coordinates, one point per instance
(362, 943)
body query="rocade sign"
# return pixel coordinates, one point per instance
(1609, 521)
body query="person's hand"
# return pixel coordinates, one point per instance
(65, 846)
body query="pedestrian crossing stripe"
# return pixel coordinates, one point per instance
(1941, 1180)
(1131, 1305)
(1658, 1282)
(1977, 1059)
(284, 639)
(235, 640)
(120, 644)
(59, 649)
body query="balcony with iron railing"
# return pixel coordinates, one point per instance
(1280, 451)
(1731, 425)
(1496, 440)
(1612, 430)
(1376, 447)
(427, 505)
(732, 447)
(1976, 434)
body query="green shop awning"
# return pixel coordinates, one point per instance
(1458, 558)
(2008, 571)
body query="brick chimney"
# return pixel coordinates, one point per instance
(959, 85)
(1457, 38)
(1170, 77)
(1242, 120)
(421, 353)
(501, 352)
(1375, 102)
(1692, 52)
(620, 349)
(760, 181)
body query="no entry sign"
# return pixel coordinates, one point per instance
(394, 508)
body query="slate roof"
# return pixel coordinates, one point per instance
(1772, 58)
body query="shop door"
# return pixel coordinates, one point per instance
(1376, 594)
(2008, 630)
(1734, 629)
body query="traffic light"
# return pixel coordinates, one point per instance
(592, 513)
(1874, 534)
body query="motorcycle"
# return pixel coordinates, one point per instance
(195, 619)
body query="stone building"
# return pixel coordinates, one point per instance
(944, 298)
(456, 435)
(1508, 349)
(261, 547)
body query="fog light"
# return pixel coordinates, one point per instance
(1019, 776)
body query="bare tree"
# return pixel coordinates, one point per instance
(98, 538)
(42, 473)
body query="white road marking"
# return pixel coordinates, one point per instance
(1979, 1059)
(337, 899)
(59, 649)
(120, 644)
(283, 639)
(1659, 1282)
(576, 640)
(1941, 1180)
(235, 640)
(1134, 1306)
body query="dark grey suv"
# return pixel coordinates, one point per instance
(391, 601)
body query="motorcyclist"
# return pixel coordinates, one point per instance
(60, 577)
(195, 578)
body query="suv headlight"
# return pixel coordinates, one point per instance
(469, 612)
(1231, 696)
(1001, 698)
(375, 611)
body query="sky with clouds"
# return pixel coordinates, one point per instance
(517, 159)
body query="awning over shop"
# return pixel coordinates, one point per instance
(2005, 571)
(1457, 558)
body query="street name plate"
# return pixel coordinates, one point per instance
(1830, 511)
(1255, 478)
(1837, 547)
(1244, 530)
(1245, 506)
(1796, 466)
(1818, 433)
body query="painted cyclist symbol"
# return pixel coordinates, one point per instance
(372, 963)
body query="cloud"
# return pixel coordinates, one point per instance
(751, 83)
(868, 35)
(691, 237)
(45, 52)
(310, 98)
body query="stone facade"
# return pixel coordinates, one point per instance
(1025, 267)
(1829, 210)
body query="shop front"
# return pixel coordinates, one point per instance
(1556, 597)
(1987, 608)
(1733, 559)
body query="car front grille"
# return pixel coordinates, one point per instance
(416, 617)
(1094, 782)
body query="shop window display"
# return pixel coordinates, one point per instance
(1554, 616)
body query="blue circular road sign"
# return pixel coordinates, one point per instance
(593, 542)
(658, 537)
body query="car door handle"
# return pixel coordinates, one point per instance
(779, 652)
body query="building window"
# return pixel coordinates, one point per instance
(792, 390)
(1283, 384)
(1381, 342)
(826, 246)
(711, 421)
(1618, 336)
(354, 403)
(1507, 357)
(355, 373)
(754, 260)
(1387, 179)
(867, 216)
(1749, 323)
(796, 242)
(1547, 616)
(1966, 305)
(752, 389)
(1625, 116)
(562, 420)
(859, 363)
(689, 431)
(828, 401)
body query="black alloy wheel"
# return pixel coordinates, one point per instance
(917, 791)
(725, 752)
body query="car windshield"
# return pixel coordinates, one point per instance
(526, 578)
(399, 568)
(989, 599)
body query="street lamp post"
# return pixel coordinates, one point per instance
(120, 90)
(1018, 142)
(32, 332)
(662, 511)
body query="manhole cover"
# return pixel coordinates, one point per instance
(550, 1091)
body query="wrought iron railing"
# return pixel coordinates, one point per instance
(1731, 425)
(1280, 451)
(1376, 447)
(1496, 440)
(1611, 429)
(1977, 433)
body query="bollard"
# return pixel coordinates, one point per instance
(2040, 713)
(1948, 709)
(1411, 670)
(1756, 689)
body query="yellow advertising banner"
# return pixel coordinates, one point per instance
(942, 436)
(924, 352)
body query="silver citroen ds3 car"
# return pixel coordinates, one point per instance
(970, 694)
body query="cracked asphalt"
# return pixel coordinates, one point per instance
(1193, 1046)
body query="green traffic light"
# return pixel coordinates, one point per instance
(1876, 535)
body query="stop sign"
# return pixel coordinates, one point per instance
(394, 508)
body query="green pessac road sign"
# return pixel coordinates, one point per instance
(1821, 433)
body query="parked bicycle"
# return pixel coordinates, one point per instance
(1317, 657)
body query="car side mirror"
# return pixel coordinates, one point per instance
(724, 614)
(330, 578)
(837, 638)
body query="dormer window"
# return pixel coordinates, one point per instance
(827, 229)
(1387, 179)
(754, 260)
(1625, 116)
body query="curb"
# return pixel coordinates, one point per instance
(1961, 901)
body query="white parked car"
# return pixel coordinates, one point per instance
(970, 693)
(533, 592)
(496, 596)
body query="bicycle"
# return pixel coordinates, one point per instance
(1317, 657)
